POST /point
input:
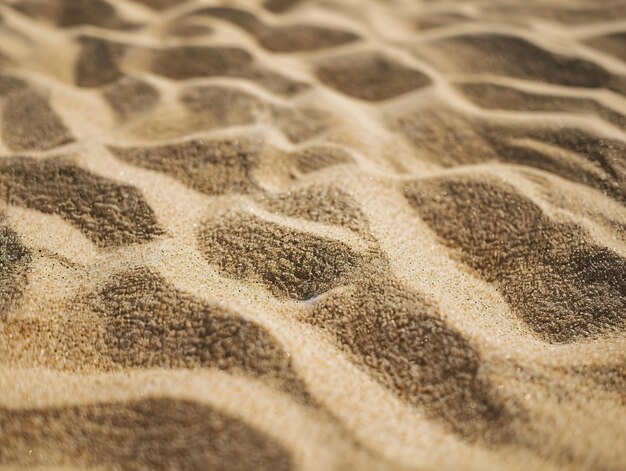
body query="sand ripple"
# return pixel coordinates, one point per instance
(298, 234)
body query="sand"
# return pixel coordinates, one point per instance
(313, 235)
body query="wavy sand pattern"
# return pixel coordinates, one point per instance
(304, 235)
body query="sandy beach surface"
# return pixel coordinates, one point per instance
(313, 235)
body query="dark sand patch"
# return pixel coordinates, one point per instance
(97, 62)
(326, 204)
(563, 286)
(214, 167)
(186, 62)
(130, 96)
(184, 28)
(614, 43)
(66, 13)
(609, 377)
(151, 324)
(14, 262)
(215, 106)
(300, 37)
(10, 84)
(512, 56)
(565, 13)
(370, 76)
(30, 123)
(136, 319)
(288, 38)
(91, 12)
(314, 158)
(108, 213)
(154, 433)
(494, 96)
(226, 106)
(450, 138)
(575, 201)
(446, 136)
(161, 4)
(280, 6)
(401, 340)
(287, 262)
(302, 124)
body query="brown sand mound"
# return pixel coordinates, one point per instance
(213, 167)
(494, 96)
(562, 286)
(68, 13)
(513, 56)
(288, 263)
(30, 123)
(216, 106)
(186, 62)
(312, 159)
(291, 38)
(173, 434)
(370, 76)
(130, 96)
(108, 213)
(125, 332)
(323, 204)
(450, 138)
(97, 63)
(614, 43)
(382, 323)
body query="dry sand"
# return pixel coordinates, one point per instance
(313, 235)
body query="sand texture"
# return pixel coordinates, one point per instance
(313, 235)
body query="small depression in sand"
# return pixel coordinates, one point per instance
(287, 262)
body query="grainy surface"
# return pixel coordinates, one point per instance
(313, 235)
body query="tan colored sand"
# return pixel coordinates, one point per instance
(304, 235)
